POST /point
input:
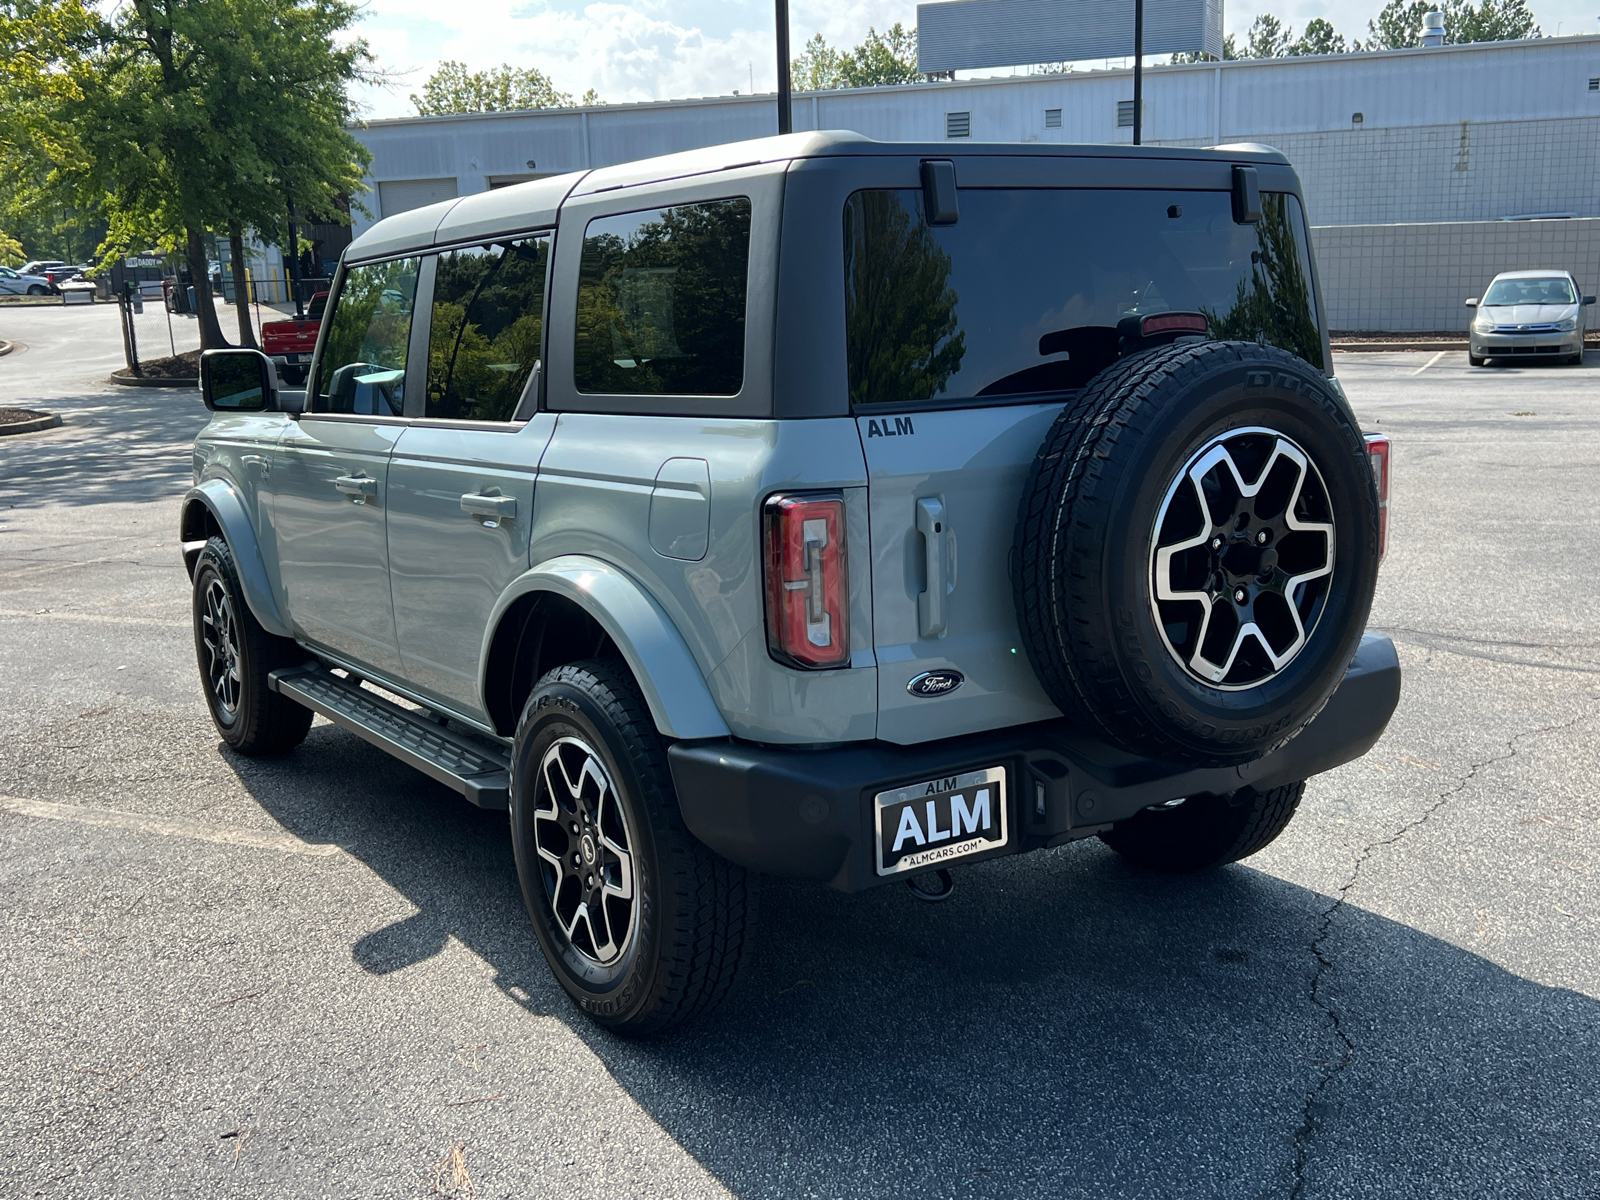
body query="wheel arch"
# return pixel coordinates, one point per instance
(214, 509)
(576, 607)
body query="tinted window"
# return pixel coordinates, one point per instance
(488, 325)
(1549, 290)
(363, 368)
(1024, 293)
(661, 299)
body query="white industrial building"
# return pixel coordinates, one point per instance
(1426, 171)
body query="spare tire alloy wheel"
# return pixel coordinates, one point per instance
(1242, 558)
(1196, 551)
(582, 838)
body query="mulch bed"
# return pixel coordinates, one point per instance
(180, 366)
(15, 416)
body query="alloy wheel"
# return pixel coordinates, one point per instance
(1241, 558)
(220, 636)
(586, 850)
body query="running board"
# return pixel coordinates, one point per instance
(475, 767)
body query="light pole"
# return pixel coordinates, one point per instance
(1138, 71)
(785, 115)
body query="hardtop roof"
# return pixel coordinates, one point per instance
(535, 205)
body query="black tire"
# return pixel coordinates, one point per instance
(1205, 831)
(1084, 567)
(1475, 361)
(675, 950)
(258, 721)
(38, 289)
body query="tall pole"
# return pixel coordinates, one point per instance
(1138, 72)
(291, 256)
(785, 115)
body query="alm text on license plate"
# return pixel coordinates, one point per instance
(931, 823)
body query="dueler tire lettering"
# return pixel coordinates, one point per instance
(1095, 597)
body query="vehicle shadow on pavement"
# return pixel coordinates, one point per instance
(126, 445)
(1063, 1026)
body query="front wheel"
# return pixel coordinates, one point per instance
(236, 655)
(1476, 360)
(35, 289)
(642, 924)
(1205, 831)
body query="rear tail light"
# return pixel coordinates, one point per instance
(1378, 453)
(808, 588)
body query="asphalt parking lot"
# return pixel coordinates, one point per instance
(314, 976)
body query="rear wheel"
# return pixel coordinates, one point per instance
(642, 924)
(236, 655)
(1205, 831)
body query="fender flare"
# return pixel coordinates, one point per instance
(673, 685)
(227, 509)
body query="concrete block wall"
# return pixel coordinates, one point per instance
(1415, 277)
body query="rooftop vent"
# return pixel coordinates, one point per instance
(1433, 29)
(958, 124)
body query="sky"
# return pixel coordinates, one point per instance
(670, 49)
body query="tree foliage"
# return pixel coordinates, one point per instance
(455, 89)
(1399, 25)
(881, 59)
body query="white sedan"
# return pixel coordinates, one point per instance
(1529, 314)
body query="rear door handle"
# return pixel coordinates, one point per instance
(359, 487)
(493, 509)
(933, 527)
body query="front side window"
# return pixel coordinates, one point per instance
(1025, 292)
(488, 325)
(661, 301)
(363, 367)
(1552, 289)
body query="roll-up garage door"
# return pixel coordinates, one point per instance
(402, 195)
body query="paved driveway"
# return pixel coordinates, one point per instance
(313, 977)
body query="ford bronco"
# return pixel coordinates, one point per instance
(812, 507)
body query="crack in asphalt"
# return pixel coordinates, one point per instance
(1308, 1116)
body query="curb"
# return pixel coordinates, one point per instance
(155, 381)
(37, 425)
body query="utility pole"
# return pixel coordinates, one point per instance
(1138, 72)
(785, 115)
(291, 253)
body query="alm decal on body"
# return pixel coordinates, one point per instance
(931, 823)
(890, 427)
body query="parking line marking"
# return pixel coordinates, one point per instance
(284, 843)
(1430, 362)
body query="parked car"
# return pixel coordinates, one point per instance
(41, 266)
(20, 283)
(290, 343)
(786, 508)
(65, 273)
(1528, 313)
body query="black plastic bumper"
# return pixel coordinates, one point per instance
(807, 813)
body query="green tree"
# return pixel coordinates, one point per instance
(1230, 52)
(454, 89)
(1268, 38)
(1319, 37)
(881, 59)
(168, 118)
(1399, 25)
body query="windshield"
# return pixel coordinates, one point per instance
(1024, 293)
(1553, 289)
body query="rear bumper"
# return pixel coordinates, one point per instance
(807, 813)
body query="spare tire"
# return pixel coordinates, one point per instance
(1196, 551)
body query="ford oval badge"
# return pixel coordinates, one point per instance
(936, 683)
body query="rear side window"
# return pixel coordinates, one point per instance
(1023, 294)
(487, 328)
(661, 301)
(363, 367)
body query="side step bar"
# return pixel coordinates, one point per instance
(475, 767)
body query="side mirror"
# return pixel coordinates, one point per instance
(1588, 299)
(237, 381)
(1473, 303)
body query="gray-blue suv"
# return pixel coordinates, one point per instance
(813, 507)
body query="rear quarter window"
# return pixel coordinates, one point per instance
(1024, 293)
(661, 301)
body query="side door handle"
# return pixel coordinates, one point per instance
(492, 508)
(358, 487)
(931, 524)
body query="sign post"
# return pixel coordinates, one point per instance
(785, 113)
(1138, 71)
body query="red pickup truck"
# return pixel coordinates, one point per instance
(293, 341)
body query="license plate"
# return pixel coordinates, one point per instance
(933, 823)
